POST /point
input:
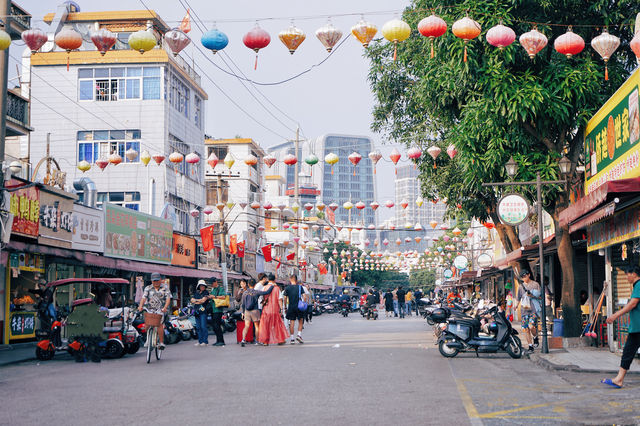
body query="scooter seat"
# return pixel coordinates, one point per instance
(111, 329)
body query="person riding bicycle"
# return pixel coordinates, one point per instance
(155, 300)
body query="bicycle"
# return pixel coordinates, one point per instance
(153, 322)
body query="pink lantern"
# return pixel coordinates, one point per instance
(212, 160)
(360, 205)
(333, 206)
(431, 27)
(103, 39)
(194, 213)
(192, 158)
(388, 204)
(374, 205)
(533, 42)
(207, 210)
(500, 36)
(308, 207)
(267, 206)
(569, 43)
(176, 40)
(102, 163)
(374, 156)
(255, 40)
(452, 151)
(634, 44)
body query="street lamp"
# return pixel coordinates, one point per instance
(512, 168)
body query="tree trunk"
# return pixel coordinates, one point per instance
(570, 303)
(510, 241)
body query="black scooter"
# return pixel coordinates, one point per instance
(345, 307)
(463, 334)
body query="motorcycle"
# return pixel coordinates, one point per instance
(317, 309)
(229, 320)
(171, 333)
(188, 312)
(329, 308)
(183, 325)
(345, 308)
(464, 334)
(371, 312)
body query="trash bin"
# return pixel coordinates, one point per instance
(558, 327)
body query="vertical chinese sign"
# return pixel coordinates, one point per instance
(184, 251)
(24, 205)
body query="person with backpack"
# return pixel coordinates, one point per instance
(200, 300)
(296, 301)
(250, 309)
(529, 302)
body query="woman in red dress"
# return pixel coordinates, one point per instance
(272, 329)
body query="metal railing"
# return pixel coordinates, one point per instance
(17, 109)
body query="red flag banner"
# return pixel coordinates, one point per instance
(266, 252)
(207, 238)
(331, 216)
(322, 269)
(241, 249)
(291, 255)
(233, 244)
(185, 25)
(279, 263)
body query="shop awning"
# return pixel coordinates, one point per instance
(320, 287)
(594, 216)
(112, 263)
(590, 202)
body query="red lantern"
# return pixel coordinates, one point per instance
(533, 42)
(452, 151)
(255, 40)
(158, 158)
(269, 160)
(212, 160)
(395, 157)
(635, 45)
(500, 36)
(34, 39)
(569, 43)
(374, 205)
(355, 158)
(466, 29)
(103, 39)
(290, 159)
(102, 163)
(432, 26)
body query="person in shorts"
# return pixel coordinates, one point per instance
(292, 295)
(633, 337)
(529, 302)
(155, 300)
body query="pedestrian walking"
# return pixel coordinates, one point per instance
(417, 296)
(272, 329)
(240, 292)
(408, 301)
(218, 293)
(400, 294)
(395, 302)
(260, 285)
(388, 303)
(200, 300)
(529, 302)
(309, 313)
(250, 311)
(293, 294)
(633, 337)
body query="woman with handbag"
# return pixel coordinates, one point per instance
(220, 300)
(272, 329)
(200, 300)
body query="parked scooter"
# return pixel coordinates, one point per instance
(464, 334)
(171, 333)
(229, 319)
(371, 312)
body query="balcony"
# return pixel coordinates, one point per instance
(17, 114)
(20, 21)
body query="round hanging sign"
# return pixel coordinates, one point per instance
(460, 262)
(448, 273)
(438, 282)
(484, 260)
(513, 209)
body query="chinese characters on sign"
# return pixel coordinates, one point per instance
(56, 210)
(24, 205)
(137, 236)
(87, 230)
(22, 325)
(184, 251)
(513, 209)
(622, 226)
(610, 143)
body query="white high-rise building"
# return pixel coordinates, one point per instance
(90, 106)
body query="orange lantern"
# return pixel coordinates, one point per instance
(364, 32)
(68, 39)
(292, 37)
(466, 29)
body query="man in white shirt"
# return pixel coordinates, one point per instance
(262, 281)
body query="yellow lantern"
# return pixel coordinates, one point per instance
(348, 205)
(84, 166)
(145, 157)
(5, 40)
(331, 159)
(229, 160)
(295, 207)
(292, 37)
(419, 201)
(396, 31)
(230, 204)
(142, 41)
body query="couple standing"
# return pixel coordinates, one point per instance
(266, 314)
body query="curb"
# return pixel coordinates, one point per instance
(544, 363)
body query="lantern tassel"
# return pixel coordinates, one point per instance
(332, 170)
(465, 53)
(395, 50)
(255, 65)
(374, 170)
(396, 171)
(606, 72)
(432, 54)
(434, 165)
(354, 171)
(67, 62)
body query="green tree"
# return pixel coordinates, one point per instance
(500, 103)
(422, 278)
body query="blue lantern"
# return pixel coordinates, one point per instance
(440, 249)
(214, 40)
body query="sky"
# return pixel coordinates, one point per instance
(334, 97)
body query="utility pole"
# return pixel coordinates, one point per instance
(5, 9)
(223, 238)
(296, 194)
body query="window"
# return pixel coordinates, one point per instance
(212, 193)
(220, 151)
(113, 84)
(130, 200)
(179, 95)
(197, 111)
(96, 144)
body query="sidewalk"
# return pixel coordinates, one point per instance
(584, 360)
(17, 352)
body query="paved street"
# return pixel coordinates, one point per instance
(383, 372)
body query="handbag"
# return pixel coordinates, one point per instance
(525, 302)
(222, 303)
(302, 305)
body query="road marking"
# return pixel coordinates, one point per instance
(528, 407)
(472, 412)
